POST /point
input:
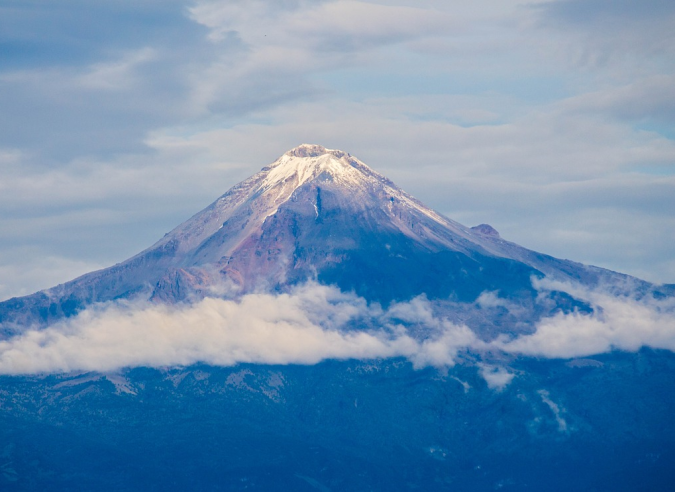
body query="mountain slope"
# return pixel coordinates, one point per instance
(321, 214)
(344, 426)
(499, 382)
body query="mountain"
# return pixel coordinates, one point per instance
(320, 214)
(601, 424)
(527, 372)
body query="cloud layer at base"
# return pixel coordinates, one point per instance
(619, 323)
(314, 323)
(304, 327)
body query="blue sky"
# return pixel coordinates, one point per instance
(552, 121)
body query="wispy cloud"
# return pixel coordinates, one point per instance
(118, 74)
(326, 26)
(605, 33)
(280, 47)
(555, 408)
(647, 99)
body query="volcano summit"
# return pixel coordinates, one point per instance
(316, 327)
(323, 215)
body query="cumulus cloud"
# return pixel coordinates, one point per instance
(314, 323)
(496, 377)
(305, 327)
(618, 323)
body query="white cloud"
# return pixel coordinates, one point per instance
(285, 45)
(346, 25)
(619, 323)
(491, 300)
(304, 327)
(314, 323)
(496, 377)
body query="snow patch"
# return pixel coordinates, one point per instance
(555, 408)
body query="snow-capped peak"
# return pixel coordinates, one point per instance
(307, 161)
(304, 173)
(311, 150)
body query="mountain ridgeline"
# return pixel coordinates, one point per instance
(464, 411)
(316, 214)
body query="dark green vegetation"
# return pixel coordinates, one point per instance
(345, 426)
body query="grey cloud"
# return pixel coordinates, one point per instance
(167, 133)
(106, 99)
(62, 104)
(610, 32)
(584, 12)
(648, 99)
(62, 113)
(76, 32)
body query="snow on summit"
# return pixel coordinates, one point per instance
(314, 213)
(301, 174)
(308, 161)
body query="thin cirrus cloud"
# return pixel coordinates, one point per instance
(117, 75)
(650, 98)
(283, 47)
(322, 26)
(614, 35)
